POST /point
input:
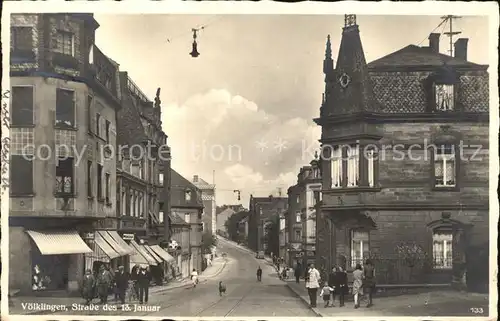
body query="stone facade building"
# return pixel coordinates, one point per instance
(62, 173)
(209, 216)
(404, 180)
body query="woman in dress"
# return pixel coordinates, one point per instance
(357, 284)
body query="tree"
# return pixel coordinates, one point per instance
(232, 225)
(208, 240)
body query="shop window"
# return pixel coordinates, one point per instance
(65, 108)
(65, 43)
(445, 98)
(64, 176)
(99, 182)
(21, 175)
(360, 247)
(89, 179)
(442, 249)
(22, 106)
(444, 166)
(352, 166)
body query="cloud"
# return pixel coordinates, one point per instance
(248, 148)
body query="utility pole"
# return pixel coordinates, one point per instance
(451, 33)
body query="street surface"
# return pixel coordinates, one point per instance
(245, 296)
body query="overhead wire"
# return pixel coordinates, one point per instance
(198, 27)
(439, 25)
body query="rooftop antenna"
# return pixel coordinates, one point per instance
(451, 33)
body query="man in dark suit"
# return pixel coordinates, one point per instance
(121, 283)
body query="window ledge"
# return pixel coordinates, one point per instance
(22, 125)
(446, 189)
(443, 269)
(65, 127)
(17, 195)
(356, 189)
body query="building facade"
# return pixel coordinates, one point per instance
(209, 217)
(294, 226)
(223, 213)
(65, 190)
(420, 210)
(187, 206)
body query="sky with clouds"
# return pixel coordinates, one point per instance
(244, 107)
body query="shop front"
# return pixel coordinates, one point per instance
(56, 259)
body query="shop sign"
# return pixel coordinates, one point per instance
(128, 237)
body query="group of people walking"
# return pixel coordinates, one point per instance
(100, 284)
(337, 285)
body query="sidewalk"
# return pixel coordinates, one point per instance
(432, 303)
(215, 269)
(241, 247)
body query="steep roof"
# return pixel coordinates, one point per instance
(415, 56)
(202, 184)
(175, 219)
(178, 188)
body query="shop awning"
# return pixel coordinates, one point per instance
(162, 253)
(153, 254)
(105, 246)
(137, 258)
(105, 235)
(144, 253)
(59, 242)
(121, 242)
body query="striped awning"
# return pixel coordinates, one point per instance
(162, 253)
(144, 253)
(153, 254)
(59, 242)
(119, 249)
(127, 249)
(105, 246)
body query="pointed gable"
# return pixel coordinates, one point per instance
(352, 90)
(178, 188)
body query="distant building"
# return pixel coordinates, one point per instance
(209, 218)
(265, 211)
(422, 217)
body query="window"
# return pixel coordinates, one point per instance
(370, 158)
(311, 199)
(203, 226)
(140, 205)
(188, 195)
(99, 181)
(337, 168)
(107, 130)
(124, 203)
(89, 113)
(160, 178)
(298, 217)
(131, 210)
(359, 247)
(21, 175)
(97, 124)
(65, 108)
(65, 43)
(89, 178)
(22, 106)
(444, 166)
(352, 166)
(108, 188)
(21, 38)
(442, 249)
(444, 97)
(160, 217)
(298, 235)
(64, 176)
(187, 218)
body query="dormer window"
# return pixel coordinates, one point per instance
(444, 97)
(65, 43)
(188, 195)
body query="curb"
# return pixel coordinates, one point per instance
(305, 300)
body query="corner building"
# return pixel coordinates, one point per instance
(420, 212)
(62, 176)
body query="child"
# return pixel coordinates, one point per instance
(325, 293)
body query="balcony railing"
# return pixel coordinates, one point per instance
(134, 89)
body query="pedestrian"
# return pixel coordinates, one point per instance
(342, 288)
(312, 284)
(194, 278)
(135, 279)
(143, 280)
(297, 273)
(103, 284)
(357, 284)
(332, 282)
(121, 283)
(88, 287)
(326, 292)
(259, 274)
(369, 280)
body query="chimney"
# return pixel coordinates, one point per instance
(461, 48)
(195, 178)
(434, 42)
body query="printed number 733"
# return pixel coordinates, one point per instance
(476, 310)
